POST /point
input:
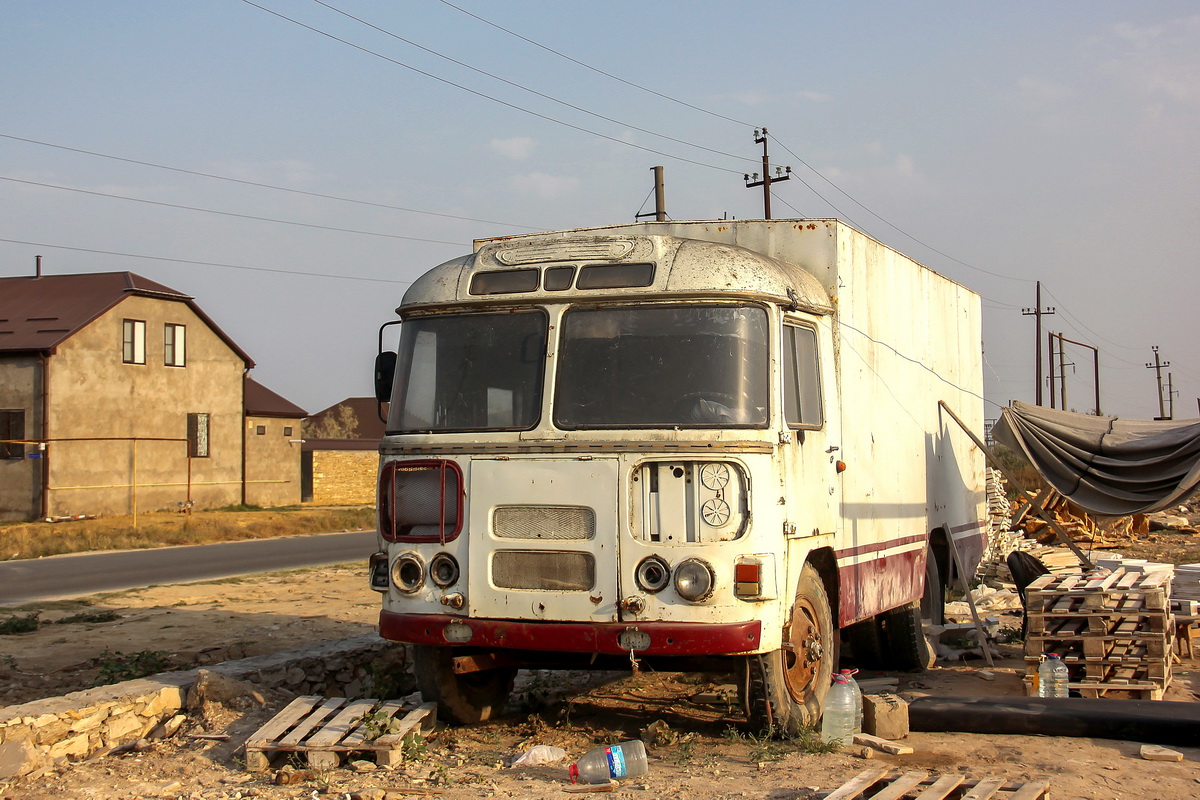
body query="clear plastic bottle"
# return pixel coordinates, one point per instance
(858, 701)
(621, 760)
(1053, 677)
(837, 723)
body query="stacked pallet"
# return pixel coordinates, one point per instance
(1186, 585)
(1113, 631)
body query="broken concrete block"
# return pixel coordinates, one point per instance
(19, 758)
(885, 716)
(1152, 752)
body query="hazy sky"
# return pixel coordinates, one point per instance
(1000, 144)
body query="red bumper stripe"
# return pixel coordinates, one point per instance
(666, 638)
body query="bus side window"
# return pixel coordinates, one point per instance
(801, 378)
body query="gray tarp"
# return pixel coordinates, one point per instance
(1104, 465)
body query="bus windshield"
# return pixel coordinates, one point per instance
(469, 372)
(655, 366)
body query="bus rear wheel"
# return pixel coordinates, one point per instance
(784, 690)
(466, 698)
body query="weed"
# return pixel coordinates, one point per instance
(15, 625)
(731, 734)
(413, 747)
(117, 667)
(685, 749)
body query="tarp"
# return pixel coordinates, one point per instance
(1105, 465)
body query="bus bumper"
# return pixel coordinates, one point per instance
(615, 638)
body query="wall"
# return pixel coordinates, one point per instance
(94, 395)
(81, 724)
(272, 461)
(20, 479)
(344, 477)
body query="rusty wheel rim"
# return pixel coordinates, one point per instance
(802, 661)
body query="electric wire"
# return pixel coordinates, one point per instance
(524, 88)
(223, 213)
(486, 96)
(596, 69)
(262, 185)
(204, 263)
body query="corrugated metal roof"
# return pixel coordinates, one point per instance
(39, 313)
(259, 401)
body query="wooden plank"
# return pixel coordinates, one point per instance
(853, 788)
(1036, 790)
(283, 720)
(883, 745)
(900, 786)
(312, 721)
(986, 788)
(941, 788)
(389, 708)
(348, 717)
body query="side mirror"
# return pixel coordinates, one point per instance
(385, 373)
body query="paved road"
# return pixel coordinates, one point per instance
(75, 575)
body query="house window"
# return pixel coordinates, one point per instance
(133, 341)
(801, 378)
(287, 431)
(173, 345)
(197, 434)
(12, 427)
(262, 430)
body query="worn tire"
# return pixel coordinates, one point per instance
(464, 699)
(933, 601)
(784, 690)
(865, 644)
(902, 638)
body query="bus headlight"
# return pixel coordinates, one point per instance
(694, 580)
(652, 574)
(443, 570)
(408, 573)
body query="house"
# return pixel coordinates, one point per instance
(119, 394)
(341, 453)
(273, 447)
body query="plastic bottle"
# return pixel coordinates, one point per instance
(621, 760)
(858, 701)
(1052, 677)
(837, 723)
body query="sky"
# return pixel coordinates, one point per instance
(294, 164)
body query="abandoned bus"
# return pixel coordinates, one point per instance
(674, 443)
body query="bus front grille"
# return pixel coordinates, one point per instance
(543, 569)
(544, 522)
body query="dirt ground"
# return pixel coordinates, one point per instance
(703, 754)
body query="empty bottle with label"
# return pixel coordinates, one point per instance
(858, 701)
(621, 760)
(1052, 677)
(837, 723)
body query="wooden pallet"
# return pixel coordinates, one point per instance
(325, 729)
(875, 784)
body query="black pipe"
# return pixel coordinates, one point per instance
(1149, 721)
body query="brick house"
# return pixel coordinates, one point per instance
(118, 394)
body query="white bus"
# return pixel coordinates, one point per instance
(675, 443)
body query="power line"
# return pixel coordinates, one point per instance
(524, 88)
(485, 96)
(597, 70)
(223, 213)
(203, 263)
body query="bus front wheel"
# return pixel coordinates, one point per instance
(784, 690)
(466, 698)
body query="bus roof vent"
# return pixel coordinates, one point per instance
(565, 250)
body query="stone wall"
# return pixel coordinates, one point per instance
(344, 477)
(82, 724)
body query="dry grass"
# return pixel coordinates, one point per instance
(37, 539)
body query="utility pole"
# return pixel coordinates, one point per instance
(1095, 368)
(1037, 312)
(660, 198)
(752, 181)
(1158, 367)
(1171, 396)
